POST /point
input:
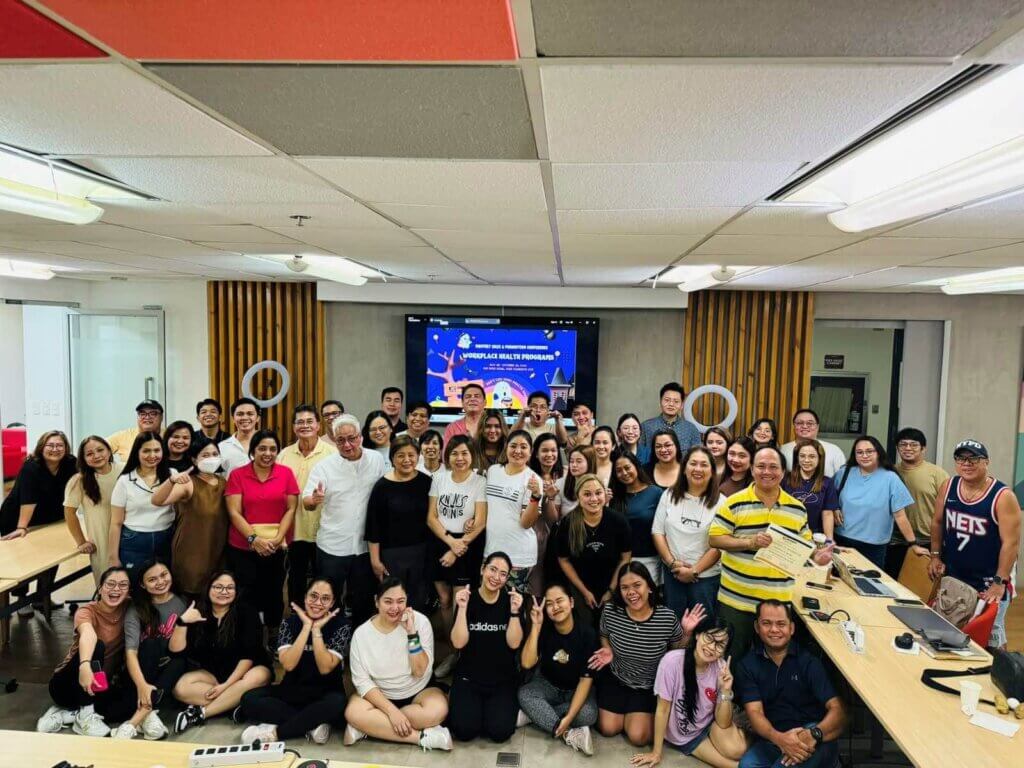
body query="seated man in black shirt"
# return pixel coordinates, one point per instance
(792, 706)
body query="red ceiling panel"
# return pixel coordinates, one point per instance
(27, 34)
(299, 30)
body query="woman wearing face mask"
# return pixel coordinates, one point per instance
(396, 522)
(514, 493)
(457, 496)
(154, 638)
(261, 497)
(636, 498)
(628, 431)
(377, 434)
(226, 653)
(603, 441)
(764, 433)
(546, 461)
(738, 457)
(665, 455)
(177, 438)
(87, 686)
(680, 531)
(694, 715)
(489, 444)
(430, 452)
(559, 699)
(392, 655)
(202, 531)
(139, 529)
(717, 440)
(635, 633)
(487, 632)
(592, 545)
(89, 492)
(311, 647)
(807, 482)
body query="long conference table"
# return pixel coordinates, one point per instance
(927, 725)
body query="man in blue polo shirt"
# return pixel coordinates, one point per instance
(792, 706)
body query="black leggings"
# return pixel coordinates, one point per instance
(475, 710)
(294, 710)
(118, 702)
(260, 581)
(301, 559)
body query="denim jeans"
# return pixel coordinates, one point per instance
(139, 546)
(680, 596)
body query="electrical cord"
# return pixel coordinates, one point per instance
(839, 610)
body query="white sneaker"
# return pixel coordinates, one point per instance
(153, 728)
(264, 733)
(352, 735)
(436, 737)
(88, 722)
(580, 740)
(124, 731)
(54, 720)
(320, 734)
(522, 719)
(447, 666)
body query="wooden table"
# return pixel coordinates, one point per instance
(927, 725)
(27, 749)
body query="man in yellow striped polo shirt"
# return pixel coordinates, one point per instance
(739, 530)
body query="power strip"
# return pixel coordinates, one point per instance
(238, 754)
(853, 634)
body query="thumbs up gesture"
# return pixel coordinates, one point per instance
(318, 493)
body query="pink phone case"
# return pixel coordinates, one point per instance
(99, 682)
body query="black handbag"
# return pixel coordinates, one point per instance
(1008, 673)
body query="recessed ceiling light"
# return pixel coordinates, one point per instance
(696, 277)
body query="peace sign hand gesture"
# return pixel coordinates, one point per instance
(537, 611)
(725, 674)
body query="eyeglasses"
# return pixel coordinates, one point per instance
(222, 588)
(967, 461)
(495, 571)
(305, 423)
(718, 645)
(313, 597)
(866, 452)
(379, 429)
(908, 444)
(54, 446)
(348, 440)
(149, 414)
(117, 585)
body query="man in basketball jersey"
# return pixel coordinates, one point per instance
(976, 532)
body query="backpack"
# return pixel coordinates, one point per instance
(955, 601)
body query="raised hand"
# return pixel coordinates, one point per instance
(319, 623)
(462, 597)
(303, 616)
(692, 617)
(409, 621)
(533, 485)
(183, 477)
(318, 493)
(537, 611)
(725, 674)
(191, 615)
(515, 600)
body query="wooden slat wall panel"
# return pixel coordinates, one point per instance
(254, 321)
(757, 344)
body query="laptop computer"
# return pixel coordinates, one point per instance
(862, 585)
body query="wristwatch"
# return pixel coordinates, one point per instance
(997, 579)
(250, 538)
(817, 734)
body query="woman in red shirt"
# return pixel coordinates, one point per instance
(261, 498)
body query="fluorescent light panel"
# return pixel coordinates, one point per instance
(690, 275)
(337, 269)
(24, 269)
(965, 149)
(992, 281)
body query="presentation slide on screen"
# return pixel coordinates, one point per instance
(509, 363)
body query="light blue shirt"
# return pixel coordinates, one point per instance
(868, 503)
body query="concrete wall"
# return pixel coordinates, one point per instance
(639, 350)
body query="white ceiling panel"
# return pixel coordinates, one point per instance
(613, 275)
(204, 180)
(613, 186)
(990, 258)
(786, 220)
(514, 275)
(792, 277)
(722, 111)
(487, 241)
(331, 238)
(478, 218)
(342, 213)
(104, 108)
(895, 251)
(888, 278)
(778, 248)
(1010, 51)
(160, 218)
(626, 248)
(659, 221)
(969, 222)
(458, 183)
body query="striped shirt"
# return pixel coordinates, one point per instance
(746, 581)
(637, 646)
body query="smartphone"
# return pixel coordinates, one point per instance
(99, 678)
(810, 603)
(815, 585)
(819, 616)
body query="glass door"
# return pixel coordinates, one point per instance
(116, 361)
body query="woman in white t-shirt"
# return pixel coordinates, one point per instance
(430, 453)
(139, 530)
(513, 505)
(680, 532)
(391, 658)
(457, 497)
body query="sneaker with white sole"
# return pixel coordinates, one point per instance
(89, 722)
(580, 740)
(54, 720)
(188, 717)
(447, 666)
(522, 719)
(124, 731)
(320, 735)
(153, 728)
(352, 735)
(436, 737)
(263, 733)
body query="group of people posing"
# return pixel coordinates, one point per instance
(586, 576)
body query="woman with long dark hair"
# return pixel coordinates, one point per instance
(694, 714)
(604, 444)
(89, 492)
(665, 455)
(806, 481)
(377, 434)
(490, 440)
(739, 457)
(764, 432)
(226, 653)
(546, 461)
(716, 440)
(629, 432)
(514, 493)
(139, 529)
(178, 436)
(636, 498)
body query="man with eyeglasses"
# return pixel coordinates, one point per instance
(473, 401)
(329, 411)
(924, 480)
(340, 486)
(306, 452)
(148, 415)
(976, 532)
(805, 425)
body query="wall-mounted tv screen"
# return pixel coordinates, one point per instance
(509, 356)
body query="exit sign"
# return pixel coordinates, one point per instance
(835, 362)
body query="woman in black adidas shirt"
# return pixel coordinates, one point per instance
(487, 632)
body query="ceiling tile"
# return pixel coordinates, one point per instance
(106, 109)
(745, 28)
(1010, 51)
(789, 277)
(206, 180)
(895, 251)
(664, 221)
(888, 278)
(990, 258)
(978, 221)
(344, 213)
(369, 111)
(786, 220)
(28, 34)
(158, 217)
(612, 275)
(487, 241)
(463, 184)
(469, 218)
(626, 248)
(332, 238)
(776, 247)
(721, 112)
(616, 186)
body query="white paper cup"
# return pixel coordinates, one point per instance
(970, 694)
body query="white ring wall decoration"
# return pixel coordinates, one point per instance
(273, 365)
(711, 389)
